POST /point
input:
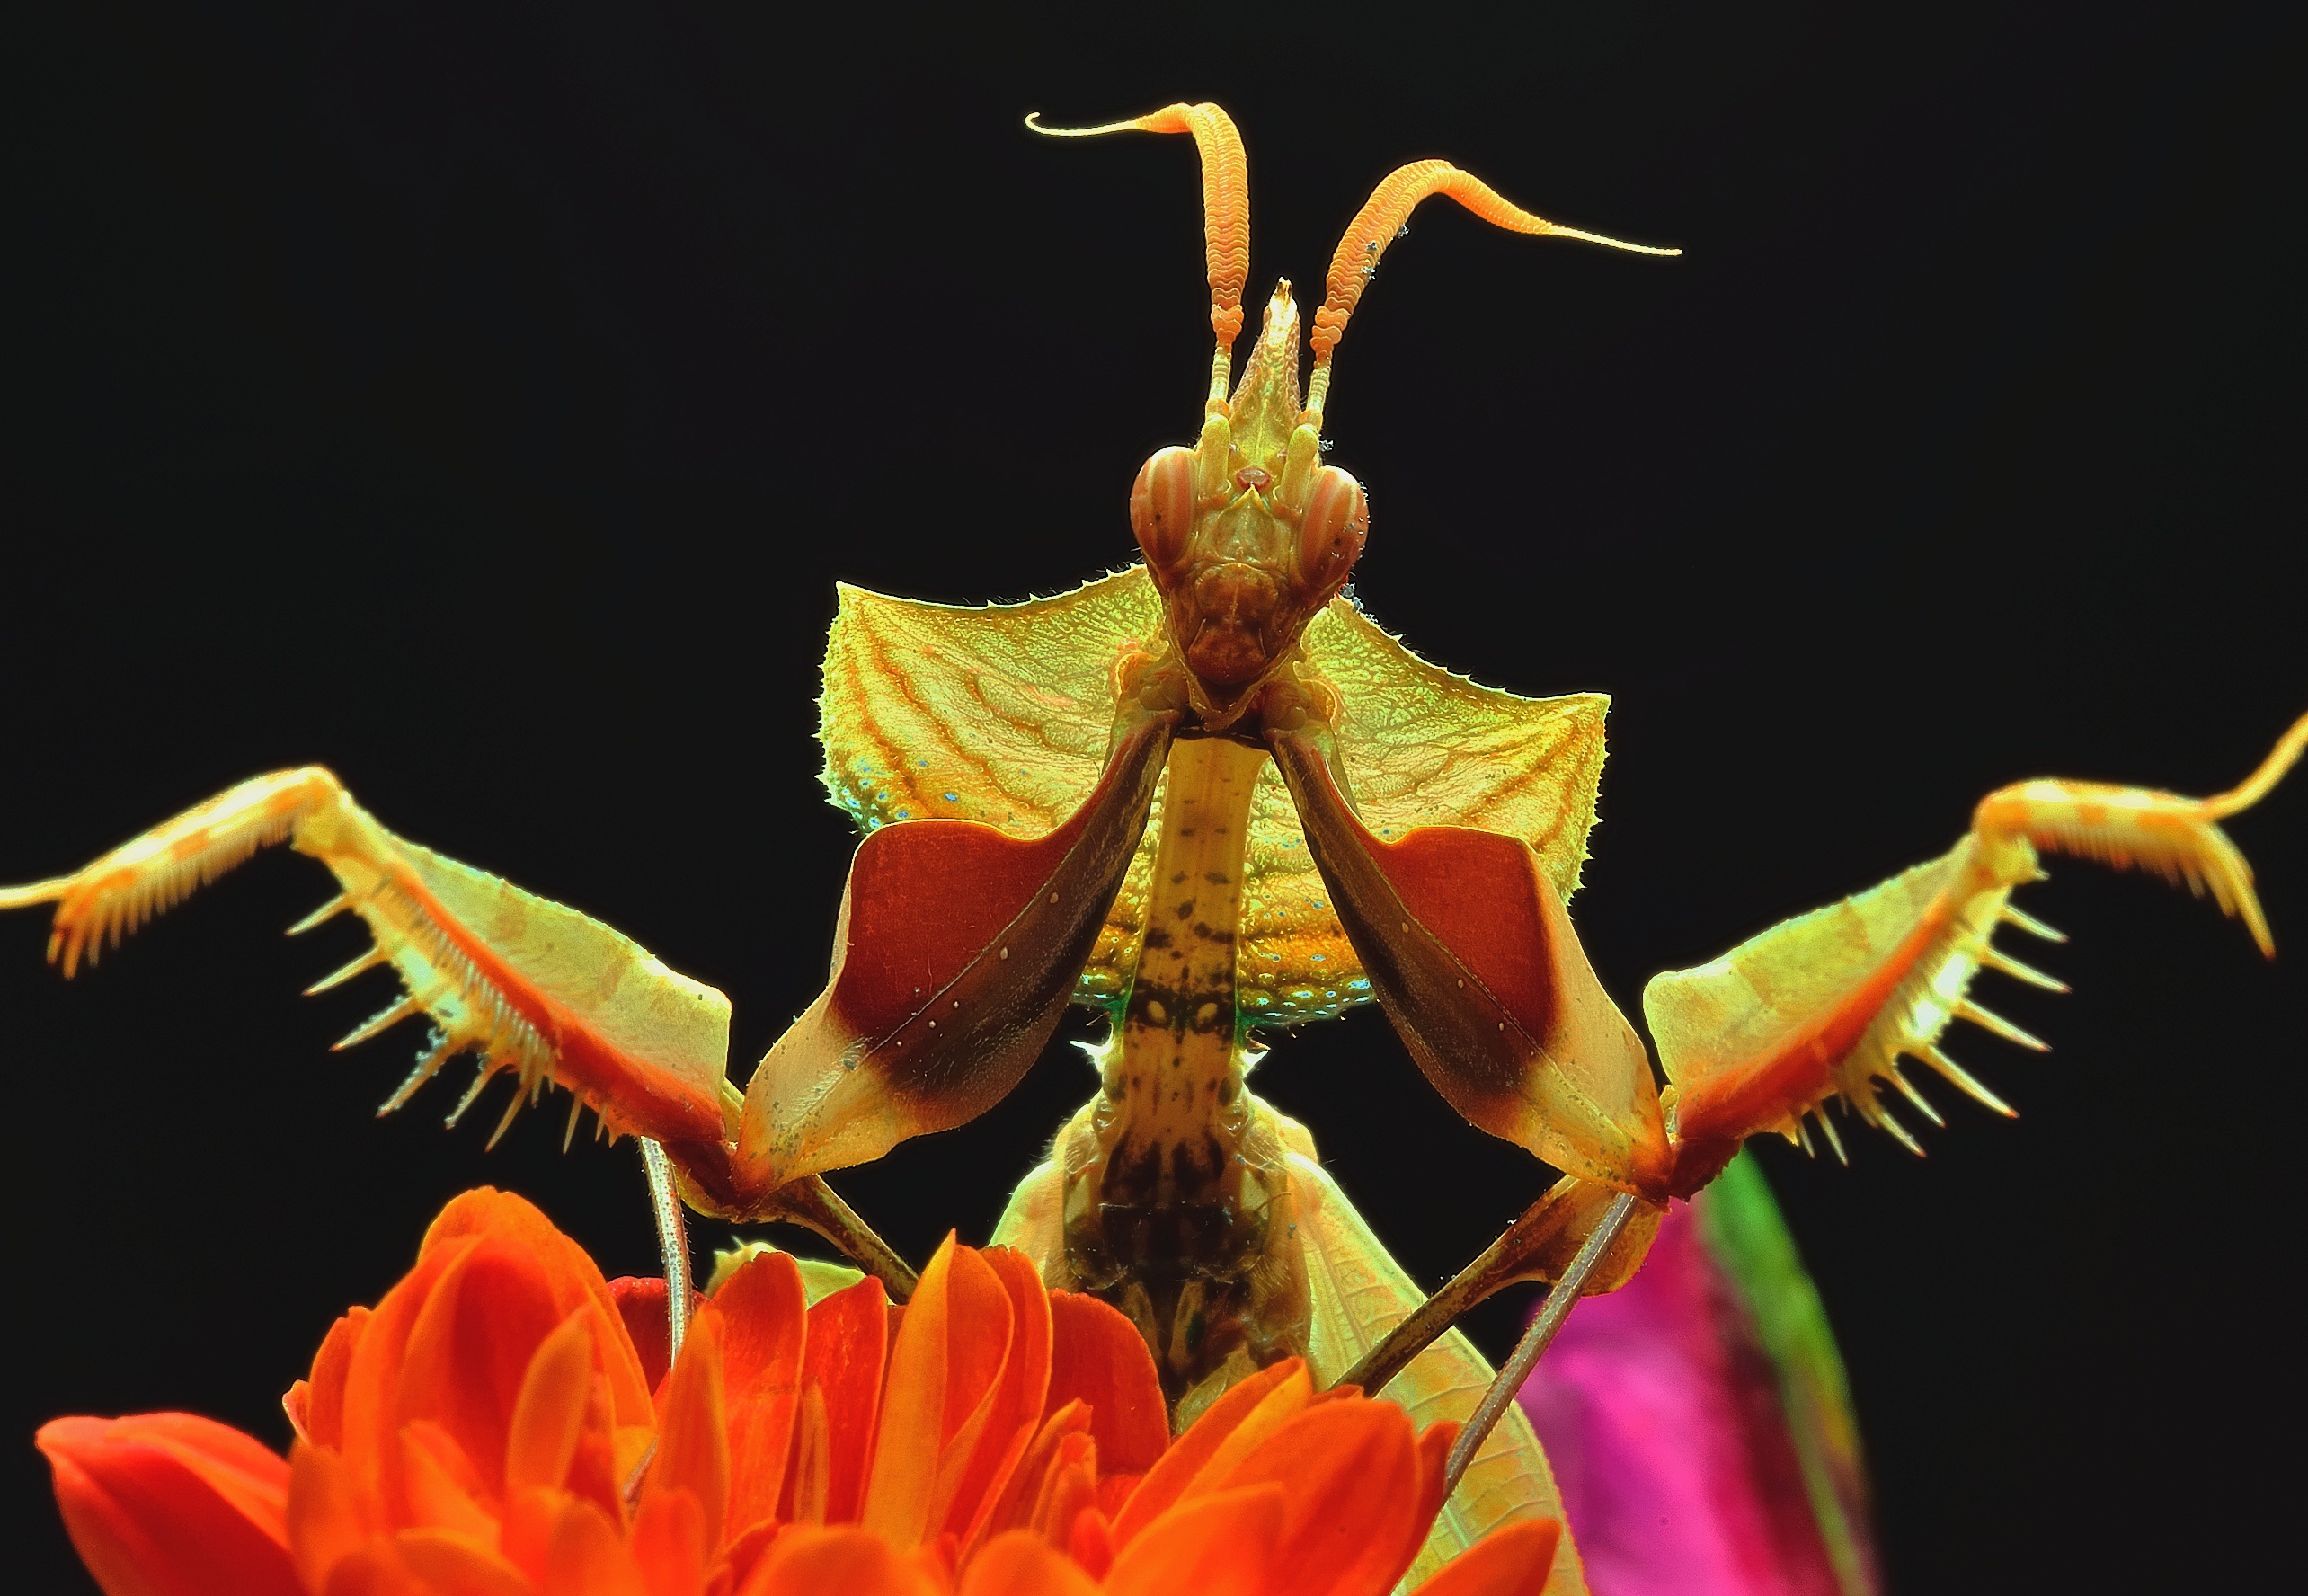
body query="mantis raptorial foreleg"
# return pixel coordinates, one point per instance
(1826, 1003)
(957, 951)
(532, 989)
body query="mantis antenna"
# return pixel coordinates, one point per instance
(1380, 222)
(1226, 212)
(1516, 1370)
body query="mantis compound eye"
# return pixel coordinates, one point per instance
(1330, 535)
(1162, 507)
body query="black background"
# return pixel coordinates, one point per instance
(482, 399)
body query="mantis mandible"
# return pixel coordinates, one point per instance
(1207, 796)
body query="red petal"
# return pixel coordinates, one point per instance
(161, 1504)
(459, 1362)
(1097, 1355)
(641, 1308)
(371, 1424)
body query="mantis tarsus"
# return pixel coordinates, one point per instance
(1206, 795)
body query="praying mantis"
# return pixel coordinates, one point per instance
(1210, 797)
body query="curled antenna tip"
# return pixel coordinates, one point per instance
(1617, 243)
(1034, 124)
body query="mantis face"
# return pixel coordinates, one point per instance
(1246, 535)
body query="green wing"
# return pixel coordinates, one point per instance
(1358, 1293)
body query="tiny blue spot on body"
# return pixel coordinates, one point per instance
(953, 797)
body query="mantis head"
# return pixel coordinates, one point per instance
(1247, 533)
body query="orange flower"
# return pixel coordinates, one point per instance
(496, 1426)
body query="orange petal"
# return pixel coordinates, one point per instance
(765, 1314)
(1013, 1507)
(375, 1570)
(168, 1503)
(468, 1352)
(325, 1522)
(668, 1544)
(1512, 1561)
(693, 1440)
(585, 1556)
(1021, 1563)
(946, 1366)
(1114, 1490)
(1434, 1454)
(1090, 1542)
(548, 1413)
(438, 1486)
(820, 1560)
(370, 1423)
(451, 1565)
(1016, 1410)
(315, 1404)
(1221, 1544)
(1097, 1355)
(844, 1355)
(1233, 1425)
(1068, 1487)
(570, 1272)
(740, 1557)
(1352, 1471)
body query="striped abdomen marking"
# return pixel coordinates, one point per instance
(1178, 1068)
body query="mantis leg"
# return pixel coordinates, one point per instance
(1544, 1243)
(1467, 947)
(957, 951)
(530, 987)
(1827, 1004)
(1537, 1337)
